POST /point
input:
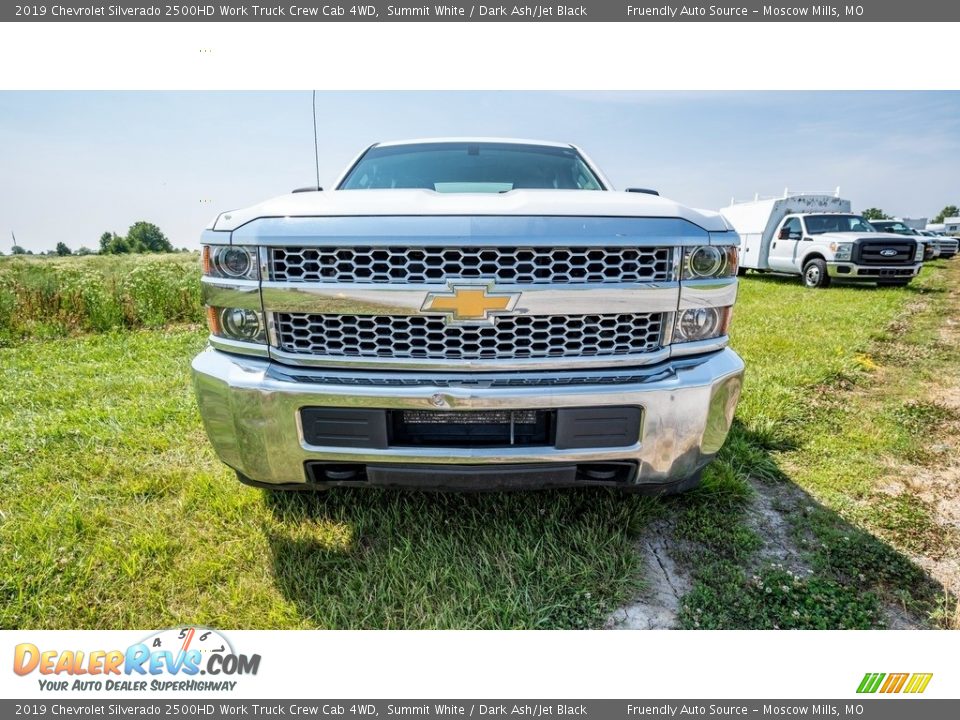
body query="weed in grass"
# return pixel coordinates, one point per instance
(775, 598)
(907, 521)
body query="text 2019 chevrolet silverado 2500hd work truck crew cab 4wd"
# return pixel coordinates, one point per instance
(472, 314)
(816, 236)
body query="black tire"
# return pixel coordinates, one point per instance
(892, 283)
(674, 488)
(815, 274)
(741, 272)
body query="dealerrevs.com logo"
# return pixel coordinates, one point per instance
(167, 660)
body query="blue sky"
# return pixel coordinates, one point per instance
(74, 164)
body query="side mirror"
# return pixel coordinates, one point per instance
(784, 234)
(312, 188)
(645, 191)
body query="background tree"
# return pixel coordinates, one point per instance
(948, 211)
(84, 250)
(875, 214)
(17, 250)
(105, 241)
(146, 237)
(62, 249)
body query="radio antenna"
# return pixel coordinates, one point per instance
(316, 141)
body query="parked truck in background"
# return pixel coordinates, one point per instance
(469, 313)
(946, 245)
(932, 248)
(817, 236)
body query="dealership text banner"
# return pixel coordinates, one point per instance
(214, 708)
(398, 11)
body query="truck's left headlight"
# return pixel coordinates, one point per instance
(710, 261)
(237, 324)
(235, 262)
(702, 323)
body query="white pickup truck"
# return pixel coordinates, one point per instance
(817, 237)
(473, 314)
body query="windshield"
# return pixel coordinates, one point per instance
(819, 224)
(471, 167)
(895, 227)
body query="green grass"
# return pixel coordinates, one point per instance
(834, 403)
(114, 511)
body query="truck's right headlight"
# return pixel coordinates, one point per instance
(842, 251)
(702, 323)
(918, 256)
(235, 262)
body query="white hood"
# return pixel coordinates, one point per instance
(574, 203)
(851, 236)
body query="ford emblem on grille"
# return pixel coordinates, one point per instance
(888, 252)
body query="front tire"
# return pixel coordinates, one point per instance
(815, 274)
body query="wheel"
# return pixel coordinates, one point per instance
(674, 488)
(815, 274)
(892, 283)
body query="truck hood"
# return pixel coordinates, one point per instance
(571, 203)
(854, 236)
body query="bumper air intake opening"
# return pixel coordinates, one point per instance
(474, 428)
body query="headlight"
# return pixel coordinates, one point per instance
(710, 261)
(701, 323)
(841, 251)
(237, 324)
(236, 262)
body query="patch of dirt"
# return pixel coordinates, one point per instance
(768, 518)
(667, 583)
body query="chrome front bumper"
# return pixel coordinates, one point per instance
(250, 408)
(867, 273)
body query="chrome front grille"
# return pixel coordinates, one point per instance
(419, 337)
(440, 265)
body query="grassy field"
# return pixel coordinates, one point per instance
(115, 513)
(55, 297)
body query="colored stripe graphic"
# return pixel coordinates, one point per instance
(894, 683)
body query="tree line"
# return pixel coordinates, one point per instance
(878, 214)
(142, 237)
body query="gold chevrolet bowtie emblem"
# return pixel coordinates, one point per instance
(469, 304)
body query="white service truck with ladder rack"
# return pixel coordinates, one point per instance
(817, 236)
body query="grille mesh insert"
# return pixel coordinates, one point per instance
(510, 338)
(496, 264)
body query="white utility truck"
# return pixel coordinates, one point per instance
(817, 236)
